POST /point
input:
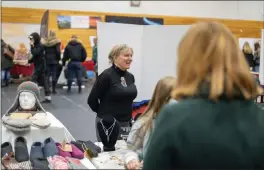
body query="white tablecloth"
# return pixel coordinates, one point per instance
(111, 160)
(56, 130)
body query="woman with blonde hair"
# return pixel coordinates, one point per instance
(247, 50)
(115, 89)
(215, 124)
(138, 137)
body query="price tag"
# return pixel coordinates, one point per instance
(66, 147)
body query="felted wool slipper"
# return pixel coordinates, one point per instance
(36, 151)
(76, 153)
(6, 149)
(49, 148)
(61, 152)
(21, 150)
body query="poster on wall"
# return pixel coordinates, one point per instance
(16, 34)
(134, 20)
(64, 22)
(85, 22)
(80, 22)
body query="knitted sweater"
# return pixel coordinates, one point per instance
(137, 153)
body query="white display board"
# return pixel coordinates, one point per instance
(261, 65)
(155, 51)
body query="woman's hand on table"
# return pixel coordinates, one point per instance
(134, 164)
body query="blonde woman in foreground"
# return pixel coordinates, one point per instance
(215, 124)
(138, 137)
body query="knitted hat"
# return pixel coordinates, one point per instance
(29, 86)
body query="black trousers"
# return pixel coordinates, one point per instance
(52, 72)
(40, 77)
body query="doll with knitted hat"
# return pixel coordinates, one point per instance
(26, 110)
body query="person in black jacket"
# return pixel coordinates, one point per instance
(256, 56)
(76, 53)
(52, 56)
(115, 90)
(247, 50)
(38, 58)
(7, 54)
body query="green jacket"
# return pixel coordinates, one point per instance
(94, 57)
(197, 133)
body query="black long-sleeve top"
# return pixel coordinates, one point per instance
(109, 96)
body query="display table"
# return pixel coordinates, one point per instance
(25, 70)
(111, 160)
(56, 130)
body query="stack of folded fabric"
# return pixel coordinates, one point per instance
(22, 122)
(17, 122)
(40, 121)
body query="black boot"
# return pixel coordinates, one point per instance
(54, 88)
(80, 89)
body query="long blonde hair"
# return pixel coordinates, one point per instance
(215, 58)
(246, 48)
(160, 97)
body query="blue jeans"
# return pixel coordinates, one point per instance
(5, 76)
(256, 69)
(74, 70)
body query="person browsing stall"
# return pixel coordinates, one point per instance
(40, 68)
(76, 53)
(115, 89)
(216, 124)
(52, 55)
(141, 130)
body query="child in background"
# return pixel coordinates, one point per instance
(21, 55)
(141, 130)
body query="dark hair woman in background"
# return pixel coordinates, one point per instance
(115, 89)
(52, 56)
(7, 55)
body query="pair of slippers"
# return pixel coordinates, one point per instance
(21, 150)
(43, 150)
(75, 153)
